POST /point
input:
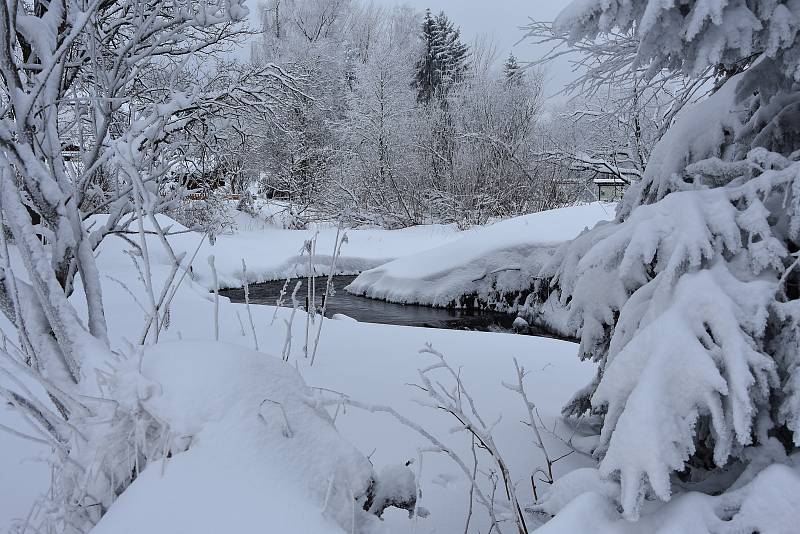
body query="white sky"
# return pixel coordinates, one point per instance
(498, 19)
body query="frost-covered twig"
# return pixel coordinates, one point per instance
(519, 388)
(281, 296)
(472, 487)
(337, 250)
(287, 429)
(241, 324)
(247, 303)
(216, 296)
(130, 293)
(450, 402)
(287, 344)
(279, 300)
(18, 434)
(175, 287)
(439, 447)
(310, 246)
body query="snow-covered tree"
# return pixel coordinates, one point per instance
(378, 155)
(444, 61)
(495, 129)
(355, 144)
(98, 119)
(689, 300)
(318, 39)
(512, 70)
(608, 134)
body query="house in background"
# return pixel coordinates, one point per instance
(610, 188)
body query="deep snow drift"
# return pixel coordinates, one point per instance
(485, 262)
(272, 253)
(241, 473)
(261, 449)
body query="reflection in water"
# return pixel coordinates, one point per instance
(377, 311)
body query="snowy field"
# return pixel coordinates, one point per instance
(355, 359)
(244, 469)
(226, 470)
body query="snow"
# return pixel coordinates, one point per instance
(369, 362)
(274, 253)
(699, 132)
(661, 280)
(24, 473)
(244, 474)
(768, 504)
(651, 399)
(240, 474)
(504, 257)
(709, 33)
(572, 485)
(248, 465)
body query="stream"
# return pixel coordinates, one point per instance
(368, 310)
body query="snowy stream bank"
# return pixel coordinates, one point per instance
(488, 267)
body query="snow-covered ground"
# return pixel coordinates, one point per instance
(353, 358)
(234, 476)
(272, 253)
(485, 261)
(280, 466)
(370, 363)
(258, 453)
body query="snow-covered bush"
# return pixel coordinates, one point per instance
(245, 445)
(689, 300)
(211, 215)
(95, 115)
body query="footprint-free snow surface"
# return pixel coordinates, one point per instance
(503, 257)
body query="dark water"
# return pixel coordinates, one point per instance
(377, 311)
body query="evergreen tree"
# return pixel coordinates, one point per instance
(512, 71)
(690, 300)
(426, 77)
(445, 59)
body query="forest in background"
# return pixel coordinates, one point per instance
(399, 122)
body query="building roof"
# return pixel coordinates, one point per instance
(610, 180)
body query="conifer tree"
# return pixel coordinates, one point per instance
(445, 57)
(690, 300)
(512, 71)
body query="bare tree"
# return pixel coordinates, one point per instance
(97, 116)
(626, 107)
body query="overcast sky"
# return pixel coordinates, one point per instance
(499, 19)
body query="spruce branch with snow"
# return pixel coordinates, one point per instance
(687, 301)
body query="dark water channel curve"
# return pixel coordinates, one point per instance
(378, 311)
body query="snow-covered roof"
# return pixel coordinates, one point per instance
(610, 180)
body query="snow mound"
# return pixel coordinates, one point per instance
(574, 484)
(260, 454)
(274, 254)
(486, 262)
(770, 503)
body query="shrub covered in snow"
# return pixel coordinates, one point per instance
(211, 215)
(79, 137)
(689, 300)
(241, 431)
